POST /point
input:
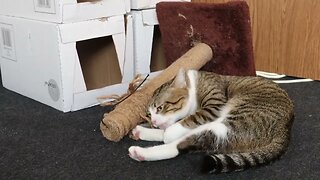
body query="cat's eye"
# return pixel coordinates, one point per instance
(159, 108)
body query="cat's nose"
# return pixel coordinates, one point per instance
(154, 123)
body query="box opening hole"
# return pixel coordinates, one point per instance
(99, 62)
(158, 60)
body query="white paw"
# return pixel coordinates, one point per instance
(136, 132)
(154, 153)
(174, 132)
(147, 134)
(135, 152)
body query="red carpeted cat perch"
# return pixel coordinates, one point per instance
(225, 27)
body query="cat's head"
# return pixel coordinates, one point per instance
(168, 101)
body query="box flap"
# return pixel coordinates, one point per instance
(119, 41)
(79, 84)
(150, 17)
(128, 66)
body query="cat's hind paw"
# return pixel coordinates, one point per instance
(135, 153)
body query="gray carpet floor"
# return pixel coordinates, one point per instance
(38, 142)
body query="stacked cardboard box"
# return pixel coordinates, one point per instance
(64, 53)
(144, 45)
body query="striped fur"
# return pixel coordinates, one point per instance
(240, 122)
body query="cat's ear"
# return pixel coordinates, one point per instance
(180, 79)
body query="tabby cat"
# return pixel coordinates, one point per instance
(240, 122)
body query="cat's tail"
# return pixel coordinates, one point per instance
(218, 163)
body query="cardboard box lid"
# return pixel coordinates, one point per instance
(73, 32)
(63, 11)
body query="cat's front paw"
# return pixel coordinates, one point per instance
(135, 133)
(147, 134)
(135, 152)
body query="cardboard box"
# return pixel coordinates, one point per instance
(143, 38)
(66, 66)
(64, 11)
(147, 4)
(143, 42)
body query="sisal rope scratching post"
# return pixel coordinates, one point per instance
(126, 115)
